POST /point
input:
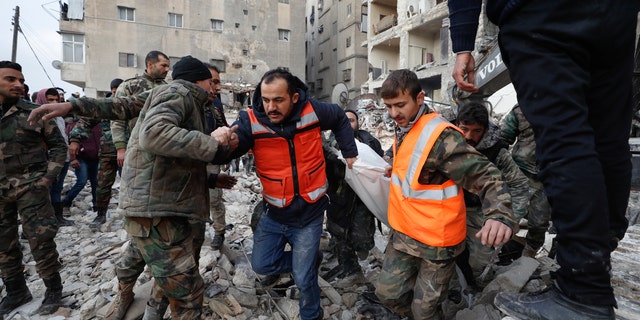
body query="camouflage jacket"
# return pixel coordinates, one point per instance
(452, 158)
(83, 129)
(165, 164)
(121, 130)
(497, 152)
(30, 153)
(110, 108)
(515, 126)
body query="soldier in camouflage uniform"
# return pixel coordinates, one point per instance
(514, 128)
(25, 190)
(165, 183)
(415, 276)
(349, 221)
(107, 166)
(484, 136)
(129, 268)
(215, 112)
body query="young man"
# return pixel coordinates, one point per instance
(29, 171)
(432, 163)
(284, 130)
(482, 134)
(571, 66)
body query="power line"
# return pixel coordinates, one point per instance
(37, 58)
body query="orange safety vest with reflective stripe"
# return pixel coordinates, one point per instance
(290, 167)
(433, 214)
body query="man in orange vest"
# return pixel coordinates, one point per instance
(284, 130)
(432, 164)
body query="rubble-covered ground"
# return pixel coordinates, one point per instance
(233, 291)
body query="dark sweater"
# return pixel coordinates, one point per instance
(464, 15)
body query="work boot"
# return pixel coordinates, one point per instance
(156, 312)
(17, 294)
(217, 242)
(53, 295)
(58, 210)
(121, 302)
(99, 219)
(549, 304)
(354, 278)
(269, 280)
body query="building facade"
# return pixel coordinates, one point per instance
(103, 39)
(414, 34)
(336, 52)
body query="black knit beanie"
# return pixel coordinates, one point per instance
(190, 69)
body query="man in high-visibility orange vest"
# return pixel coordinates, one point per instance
(432, 164)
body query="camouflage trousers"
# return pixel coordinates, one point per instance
(538, 214)
(39, 225)
(479, 255)
(107, 170)
(166, 245)
(412, 286)
(216, 203)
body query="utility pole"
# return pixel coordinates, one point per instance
(16, 27)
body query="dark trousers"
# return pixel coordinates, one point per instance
(571, 64)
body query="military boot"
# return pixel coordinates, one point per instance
(156, 312)
(99, 220)
(53, 295)
(58, 210)
(17, 294)
(121, 302)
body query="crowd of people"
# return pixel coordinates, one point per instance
(458, 190)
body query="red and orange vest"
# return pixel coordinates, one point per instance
(290, 167)
(433, 214)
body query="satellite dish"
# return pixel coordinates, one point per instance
(340, 95)
(57, 64)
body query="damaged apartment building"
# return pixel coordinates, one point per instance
(103, 40)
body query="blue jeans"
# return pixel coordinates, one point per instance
(55, 190)
(88, 171)
(269, 258)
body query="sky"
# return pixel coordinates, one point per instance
(39, 24)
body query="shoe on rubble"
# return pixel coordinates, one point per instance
(270, 280)
(549, 304)
(217, 242)
(350, 280)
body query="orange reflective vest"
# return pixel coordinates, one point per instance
(433, 214)
(290, 167)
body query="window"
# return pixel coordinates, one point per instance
(349, 10)
(319, 84)
(364, 23)
(220, 64)
(246, 12)
(237, 25)
(321, 56)
(283, 34)
(245, 52)
(348, 42)
(73, 47)
(127, 60)
(284, 1)
(175, 20)
(216, 25)
(126, 14)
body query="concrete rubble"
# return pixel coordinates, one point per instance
(232, 288)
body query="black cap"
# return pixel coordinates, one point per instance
(190, 69)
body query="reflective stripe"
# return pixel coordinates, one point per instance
(446, 193)
(315, 194)
(257, 127)
(420, 145)
(307, 119)
(275, 201)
